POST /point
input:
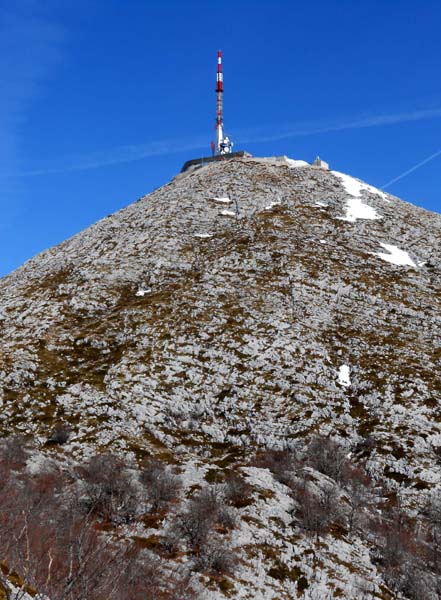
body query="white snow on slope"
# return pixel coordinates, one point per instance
(228, 213)
(296, 163)
(222, 200)
(355, 207)
(142, 292)
(202, 235)
(395, 256)
(272, 205)
(354, 187)
(344, 376)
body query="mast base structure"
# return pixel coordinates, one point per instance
(222, 147)
(204, 160)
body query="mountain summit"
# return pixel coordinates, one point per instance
(244, 308)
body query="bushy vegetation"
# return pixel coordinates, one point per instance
(62, 531)
(59, 531)
(66, 532)
(333, 494)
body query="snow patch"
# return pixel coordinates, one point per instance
(142, 292)
(296, 163)
(228, 213)
(344, 376)
(221, 199)
(355, 187)
(273, 204)
(356, 209)
(395, 256)
(202, 235)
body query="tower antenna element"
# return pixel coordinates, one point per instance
(222, 144)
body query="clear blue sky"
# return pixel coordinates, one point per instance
(101, 102)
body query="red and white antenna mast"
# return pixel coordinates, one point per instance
(222, 145)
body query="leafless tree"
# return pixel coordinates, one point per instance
(237, 492)
(205, 512)
(109, 487)
(161, 485)
(14, 451)
(215, 557)
(318, 507)
(326, 456)
(142, 577)
(415, 582)
(358, 493)
(432, 515)
(49, 544)
(282, 463)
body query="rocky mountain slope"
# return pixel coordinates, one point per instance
(249, 304)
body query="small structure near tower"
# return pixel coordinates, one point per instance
(320, 164)
(222, 146)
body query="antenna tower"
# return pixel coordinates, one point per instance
(223, 144)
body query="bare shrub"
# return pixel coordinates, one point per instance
(161, 485)
(326, 456)
(282, 463)
(237, 491)
(49, 545)
(318, 508)
(195, 524)
(15, 451)
(401, 552)
(141, 578)
(59, 435)
(216, 558)
(205, 512)
(225, 519)
(365, 447)
(181, 587)
(415, 582)
(110, 490)
(431, 513)
(212, 499)
(358, 490)
(170, 542)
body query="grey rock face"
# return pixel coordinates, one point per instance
(173, 322)
(248, 303)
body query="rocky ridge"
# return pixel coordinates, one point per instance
(247, 304)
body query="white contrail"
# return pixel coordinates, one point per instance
(115, 156)
(320, 127)
(411, 170)
(127, 154)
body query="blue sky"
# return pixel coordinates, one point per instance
(104, 101)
